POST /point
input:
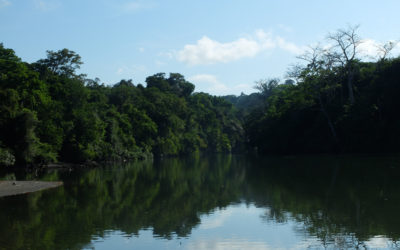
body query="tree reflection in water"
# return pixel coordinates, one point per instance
(343, 201)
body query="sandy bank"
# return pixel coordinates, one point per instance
(8, 188)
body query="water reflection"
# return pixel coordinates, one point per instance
(355, 197)
(216, 202)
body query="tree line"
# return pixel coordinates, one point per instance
(50, 113)
(334, 102)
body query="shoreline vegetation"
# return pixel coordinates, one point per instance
(51, 114)
(335, 102)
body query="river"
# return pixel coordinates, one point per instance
(211, 202)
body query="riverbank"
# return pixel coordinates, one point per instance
(8, 188)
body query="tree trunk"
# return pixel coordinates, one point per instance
(350, 77)
(330, 124)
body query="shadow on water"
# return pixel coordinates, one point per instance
(343, 201)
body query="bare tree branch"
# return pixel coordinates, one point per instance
(385, 49)
(347, 42)
(345, 52)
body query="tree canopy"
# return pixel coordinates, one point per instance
(50, 113)
(334, 102)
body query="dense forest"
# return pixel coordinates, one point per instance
(336, 102)
(50, 113)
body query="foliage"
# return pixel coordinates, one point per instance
(321, 113)
(333, 103)
(6, 158)
(50, 113)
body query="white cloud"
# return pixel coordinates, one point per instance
(288, 46)
(208, 51)
(210, 84)
(265, 39)
(369, 49)
(4, 3)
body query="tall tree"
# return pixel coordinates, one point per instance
(345, 52)
(62, 62)
(318, 74)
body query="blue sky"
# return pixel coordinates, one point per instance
(222, 46)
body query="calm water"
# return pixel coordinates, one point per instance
(216, 202)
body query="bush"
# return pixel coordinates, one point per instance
(6, 157)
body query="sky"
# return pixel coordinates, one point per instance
(222, 46)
